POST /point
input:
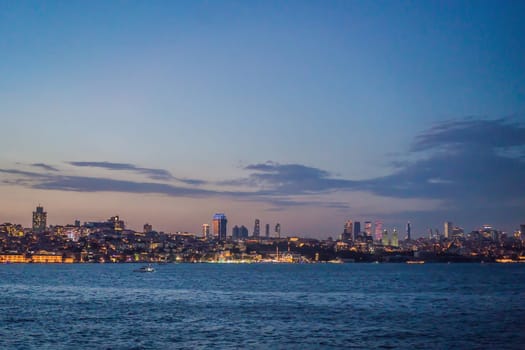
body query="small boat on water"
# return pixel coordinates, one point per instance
(147, 268)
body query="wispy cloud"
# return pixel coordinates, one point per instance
(44, 166)
(152, 173)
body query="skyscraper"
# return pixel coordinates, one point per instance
(409, 231)
(39, 220)
(205, 231)
(243, 232)
(384, 238)
(220, 226)
(257, 229)
(278, 230)
(395, 239)
(236, 232)
(368, 228)
(447, 229)
(379, 231)
(267, 231)
(357, 229)
(348, 231)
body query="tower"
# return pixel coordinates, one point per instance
(379, 231)
(205, 231)
(395, 239)
(39, 220)
(267, 231)
(236, 232)
(368, 228)
(220, 226)
(384, 238)
(447, 229)
(357, 229)
(257, 229)
(348, 232)
(409, 231)
(278, 230)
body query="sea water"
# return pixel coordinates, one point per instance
(263, 306)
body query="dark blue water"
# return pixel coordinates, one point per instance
(203, 306)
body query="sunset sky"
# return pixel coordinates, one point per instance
(307, 113)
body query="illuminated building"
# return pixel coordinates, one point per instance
(379, 231)
(368, 228)
(118, 225)
(257, 229)
(147, 228)
(348, 231)
(409, 231)
(395, 239)
(205, 231)
(220, 226)
(384, 238)
(39, 220)
(267, 231)
(447, 229)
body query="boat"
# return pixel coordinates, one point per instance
(415, 262)
(147, 268)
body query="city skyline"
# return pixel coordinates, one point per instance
(303, 114)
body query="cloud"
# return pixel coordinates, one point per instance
(289, 179)
(44, 166)
(154, 174)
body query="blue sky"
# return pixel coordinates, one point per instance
(307, 113)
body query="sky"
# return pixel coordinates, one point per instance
(306, 113)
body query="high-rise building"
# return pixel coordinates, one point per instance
(368, 228)
(39, 220)
(379, 231)
(522, 230)
(357, 229)
(206, 231)
(409, 231)
(267, 231)
(278, 230)
(147, 228)
(236, 232)
(220, 226)
(257, 229)
(348, 231)
(384, 238)
(395, 239)
(447, 229)
(243, 232)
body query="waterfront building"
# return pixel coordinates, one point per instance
(257, 228)
(220, 223)
(39, 220)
